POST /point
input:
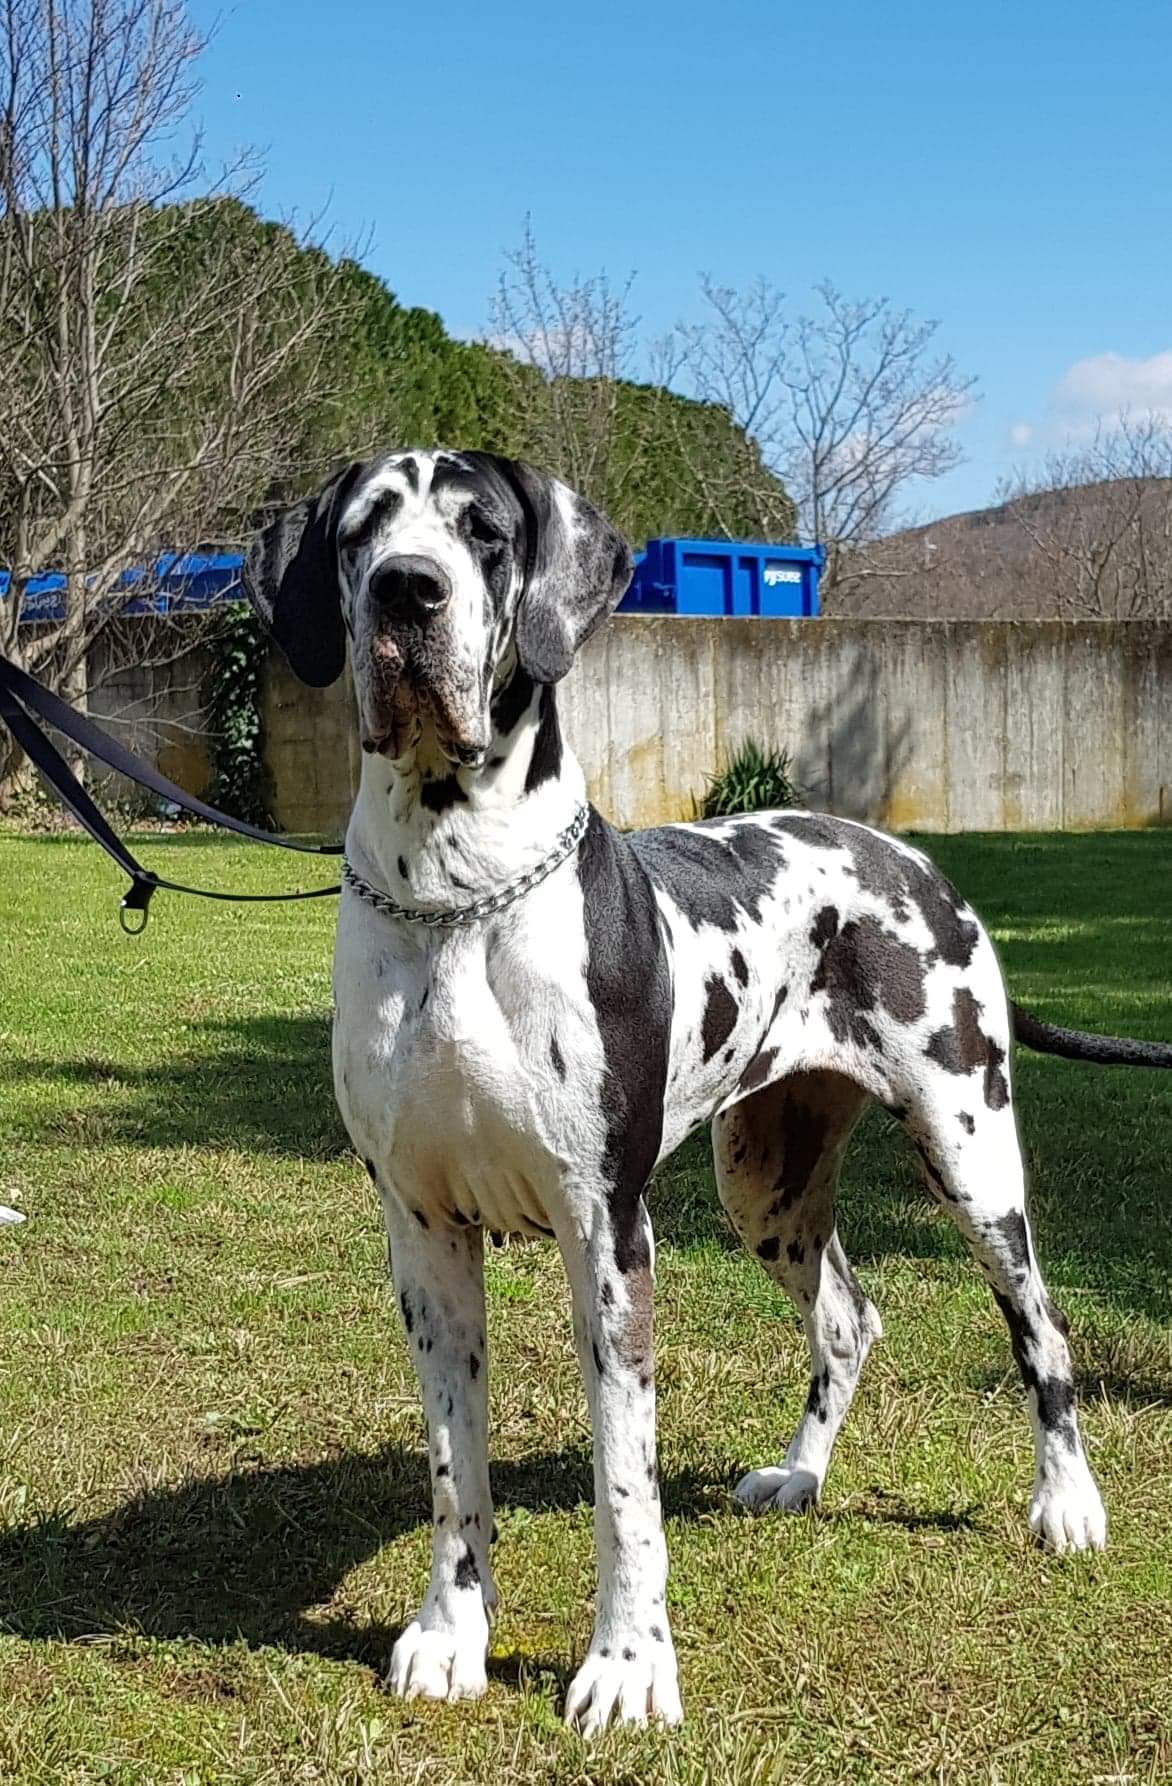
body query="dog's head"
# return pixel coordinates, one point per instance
(442, 568)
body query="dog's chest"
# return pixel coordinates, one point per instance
(451, 1072)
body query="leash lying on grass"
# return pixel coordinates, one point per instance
(24, 702)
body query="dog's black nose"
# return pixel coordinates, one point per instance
(412, 588)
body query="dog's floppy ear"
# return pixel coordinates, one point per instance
(291, 579)
(577, 569)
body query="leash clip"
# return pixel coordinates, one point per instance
(137, 898)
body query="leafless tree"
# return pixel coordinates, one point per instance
(848, 407)
(569, 348)
(1097, 524)
(157, 357)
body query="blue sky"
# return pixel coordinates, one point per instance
(1004, 168)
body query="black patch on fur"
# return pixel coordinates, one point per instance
(720, 1015)
(511, 702)
(627, 982)
(467, 1574)
(546, 762)
(964, 1047)
(882, 867)
(757, 1071)
(1012, 1229)
(402, 866)
(555, 1055)
(768, 1249)
(410, 470)
(1055, 1395)
(440, 795)
(803, 1148)
(967, 1123)
(739, 967)
(713, 880)
(408, 1312)
(598, 1364)
(421, 1218)
(861, 968)
(474, 1364)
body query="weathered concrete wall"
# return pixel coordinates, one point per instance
(311, 750)
(155, 710)
(915, 725)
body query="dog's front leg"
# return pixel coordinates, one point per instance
(630, 1671)
(439, 1285)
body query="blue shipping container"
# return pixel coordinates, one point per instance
(177, 583)
(707, 577)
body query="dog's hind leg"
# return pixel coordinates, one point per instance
(968, 1144)
(439, 1286)
(777, 1158)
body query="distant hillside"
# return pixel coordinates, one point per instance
(1090, 550)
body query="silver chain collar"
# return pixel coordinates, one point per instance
(452, 916)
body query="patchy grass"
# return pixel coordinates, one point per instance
(212, 1480)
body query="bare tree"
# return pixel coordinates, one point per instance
(568, 350)
(733, 362)
(158, 354)
(847, 407)
(1096, 522)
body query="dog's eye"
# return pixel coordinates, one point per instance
(480, 528)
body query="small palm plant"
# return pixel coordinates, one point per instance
(753, 780)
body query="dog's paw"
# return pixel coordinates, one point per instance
(437, 1665)
(632, 1682)
(1069, 1514)
(793, 1491)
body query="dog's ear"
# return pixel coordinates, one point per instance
(577, 569)
(291, 579)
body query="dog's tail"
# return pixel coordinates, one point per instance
(1081, 1044)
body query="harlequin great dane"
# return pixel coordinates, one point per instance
(532, 1010)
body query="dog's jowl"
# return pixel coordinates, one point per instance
(532, 1010)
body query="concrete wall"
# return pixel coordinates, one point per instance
(914, 725)
(924, 725)
(155, 710)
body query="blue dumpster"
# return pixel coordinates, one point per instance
(179, 582)
(675, 576)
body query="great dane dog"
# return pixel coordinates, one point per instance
(532, 1010)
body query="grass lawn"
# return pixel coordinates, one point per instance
(213, 1489)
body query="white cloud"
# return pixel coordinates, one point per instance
(1108, 386)
(1021, 434)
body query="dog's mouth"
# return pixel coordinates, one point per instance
(400, 709)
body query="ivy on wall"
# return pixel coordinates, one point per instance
(239, 782)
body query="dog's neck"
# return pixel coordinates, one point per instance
(436, 836)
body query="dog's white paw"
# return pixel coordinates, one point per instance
(1069, 1514)
(635, 1682)
(437, 1665)
(778, 1487)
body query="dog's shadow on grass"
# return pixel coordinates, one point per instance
(252, 1554)
(258, 1083)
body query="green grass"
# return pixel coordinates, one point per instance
(213, 1506)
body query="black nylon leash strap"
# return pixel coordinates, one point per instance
(22, 697)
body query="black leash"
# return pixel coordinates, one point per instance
(24, 701)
